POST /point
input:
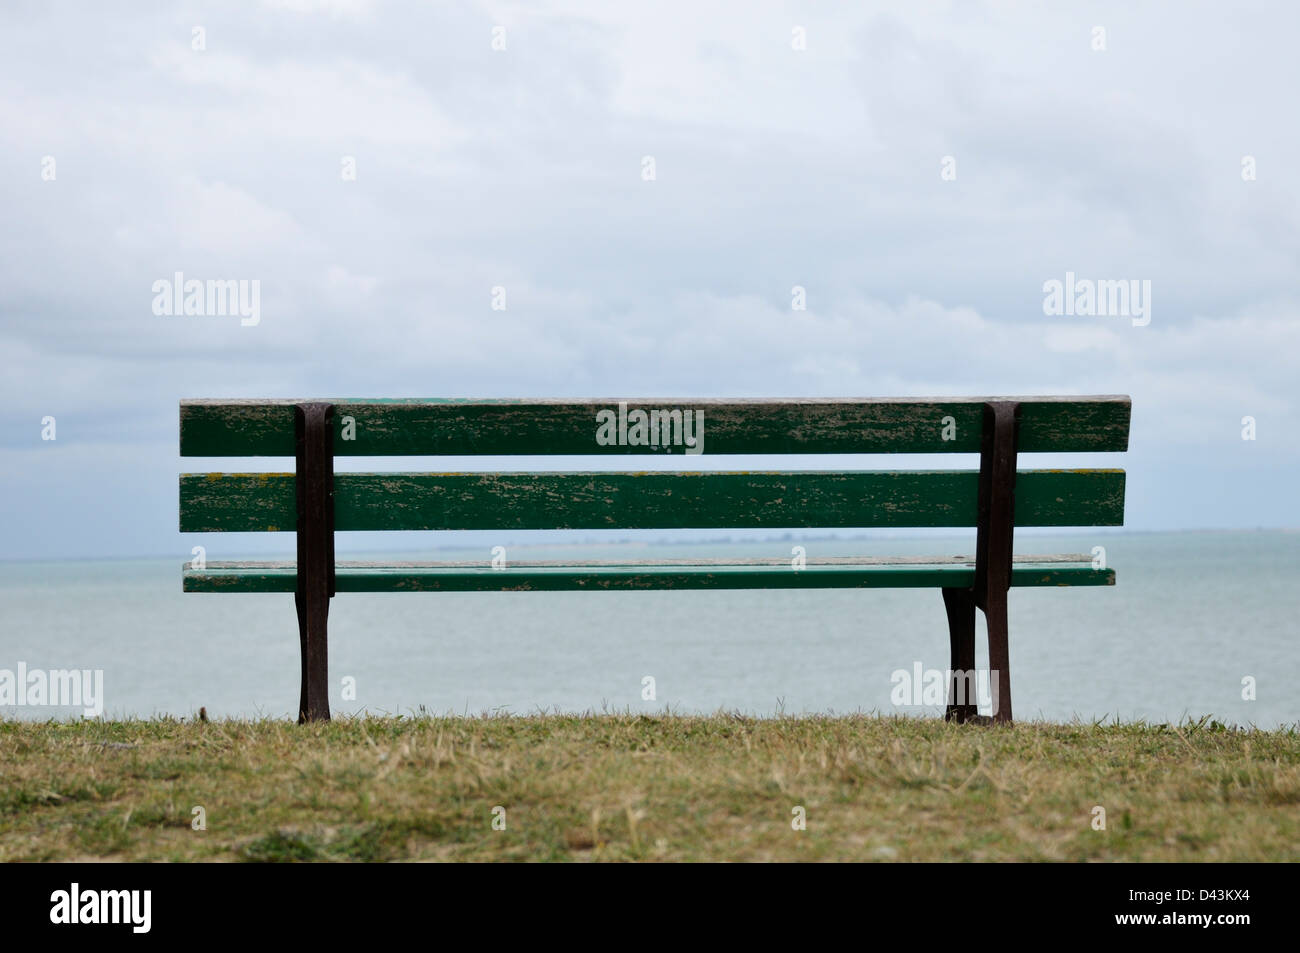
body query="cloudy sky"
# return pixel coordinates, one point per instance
(921, 169)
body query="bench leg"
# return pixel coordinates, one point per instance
(960, 605)
(314, 486)
(313, 639)
(995, 616)
(994, 536)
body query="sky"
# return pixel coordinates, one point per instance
(643, 186)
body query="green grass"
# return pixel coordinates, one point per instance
(630, 787)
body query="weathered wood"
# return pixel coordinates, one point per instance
(848, 572)
(242, 502)
(778, 561)
(450, 427)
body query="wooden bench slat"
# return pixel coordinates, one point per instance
(843, 572)
(452, 427)
(243, 502)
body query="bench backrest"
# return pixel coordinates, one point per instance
(252, 502)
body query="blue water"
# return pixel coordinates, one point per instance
(1191, 616)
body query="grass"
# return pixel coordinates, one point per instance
(632, 787)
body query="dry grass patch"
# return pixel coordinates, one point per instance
(631, 787)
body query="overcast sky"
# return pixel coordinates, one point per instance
(794, 144)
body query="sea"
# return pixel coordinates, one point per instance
(1200, 625)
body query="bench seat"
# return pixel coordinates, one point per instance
(846, 572)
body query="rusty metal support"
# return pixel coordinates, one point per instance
(314, 483)
(995, 531)
(962, 698)
(993, 542)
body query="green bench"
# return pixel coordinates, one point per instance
(316, 502)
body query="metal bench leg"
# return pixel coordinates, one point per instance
(313, 641)
(962, 700)
(994, 536)
(315, 530)
(995, 617)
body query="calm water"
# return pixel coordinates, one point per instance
(1190, 617)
